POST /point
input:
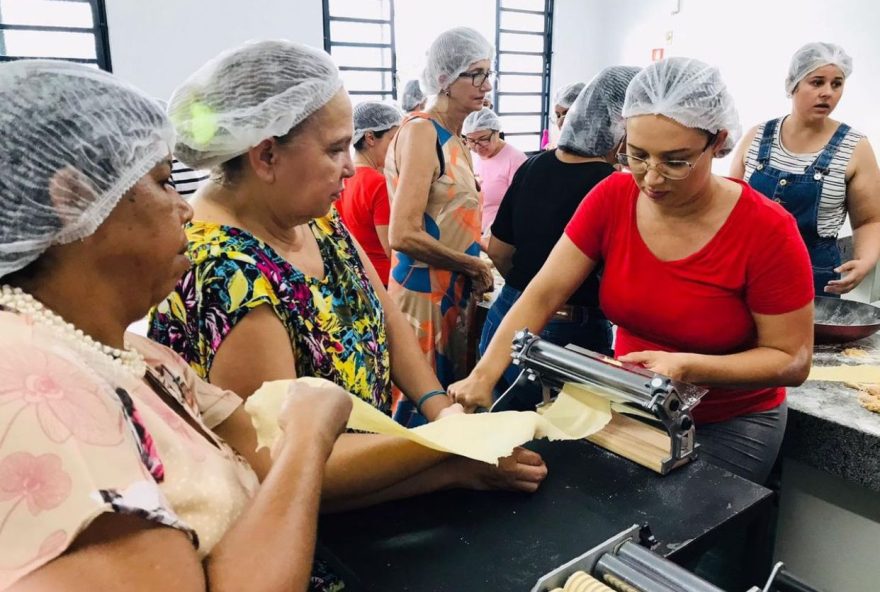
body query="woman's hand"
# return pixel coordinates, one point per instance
(523, 470)
(314, 413)
(851, 275)
(481, 275)
(472, 392)
(673, 365)
(454, 409)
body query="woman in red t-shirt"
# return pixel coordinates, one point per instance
(707, 281)
(363, 204)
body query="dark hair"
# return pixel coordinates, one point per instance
(29, 274)
(359, 145)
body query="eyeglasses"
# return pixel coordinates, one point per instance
(479, 78)
(482, 142)
(674, 170)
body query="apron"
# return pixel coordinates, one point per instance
(800, 194)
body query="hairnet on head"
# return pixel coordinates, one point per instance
(484, 119)
(812, 56)
(374, 116)
(412, 96)
(450, 55)
(566, 95)
(73, 141)
(594, 124)
(248, 94)
(687, 91)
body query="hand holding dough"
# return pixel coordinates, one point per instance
(576, 414)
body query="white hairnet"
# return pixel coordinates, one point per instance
(594, 124)
(374, 116)
(412, 96)
(812, 56)
(566, 95)
(687, 91)
(450, 55)
(73, 141)
(245, 95)
(484, 119)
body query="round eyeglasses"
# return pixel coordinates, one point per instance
(674, 170)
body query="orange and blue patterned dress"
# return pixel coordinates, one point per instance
(438, 302)
(336, 324)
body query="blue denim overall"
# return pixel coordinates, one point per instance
(800, 195)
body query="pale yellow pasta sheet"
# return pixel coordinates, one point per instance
(858, 374)
(576, 414)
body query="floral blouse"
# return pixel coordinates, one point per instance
(79, 439)
(336, 324)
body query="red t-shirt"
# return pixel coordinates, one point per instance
(363, 206)
(756, 262)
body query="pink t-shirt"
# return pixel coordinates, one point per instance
(495, 176)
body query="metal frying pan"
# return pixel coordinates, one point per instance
(839, 321)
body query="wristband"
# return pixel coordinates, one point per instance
(427, 396)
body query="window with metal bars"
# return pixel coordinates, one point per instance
(359, 34)
(71, 30)
(523, 41)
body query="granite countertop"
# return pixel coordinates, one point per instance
(828, 428)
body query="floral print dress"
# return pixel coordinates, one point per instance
(336, 324)
(78, 440)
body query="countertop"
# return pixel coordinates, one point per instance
(828, 428)
(461, 541)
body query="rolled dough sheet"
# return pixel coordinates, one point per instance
(576, 414)
(869, 374)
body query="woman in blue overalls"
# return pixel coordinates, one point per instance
(819, 169)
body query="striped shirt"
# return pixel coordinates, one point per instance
(187, 180)
(832, 202)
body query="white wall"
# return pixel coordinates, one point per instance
(155, 44)
(580, 41)
(413, 40)
(752, 41)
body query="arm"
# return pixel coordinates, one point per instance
(117, 548)
(118, 552)
(359, 464)
(781, 357)
(409, 370)
(780, 286)
(277, 531)
(382, 215)
(417, 163)
(863, 206)
(738, 165)
(363, 469)
(522, 471)
(501, 254)
(565, 270)
(382, 233)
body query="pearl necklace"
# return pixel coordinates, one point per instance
(17, 300)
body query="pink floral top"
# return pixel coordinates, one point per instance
(78, 440)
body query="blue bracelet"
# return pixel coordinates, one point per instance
(427, 396)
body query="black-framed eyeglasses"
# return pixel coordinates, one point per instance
(483, 142)
(479, 78)
(674, 170)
